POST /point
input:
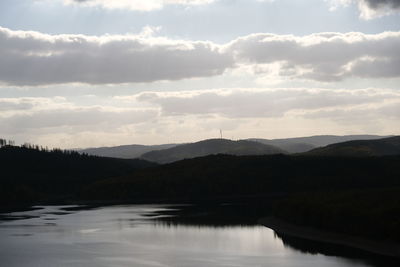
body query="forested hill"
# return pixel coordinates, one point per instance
(351, 195)
(211, 147)
(30, 173)
(362, 190)
(379, 147)
(125, 151)
(304, 144)
(290, 145)
(226, 175)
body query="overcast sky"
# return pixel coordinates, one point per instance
(86, 73)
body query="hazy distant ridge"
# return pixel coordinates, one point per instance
(290, 145)
(304, 144)
(125, 152)
(210, 147)
(380, 147)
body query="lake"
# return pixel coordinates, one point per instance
(149, 235)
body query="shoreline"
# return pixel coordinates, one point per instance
(381, 248)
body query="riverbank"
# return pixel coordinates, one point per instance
(371, 246)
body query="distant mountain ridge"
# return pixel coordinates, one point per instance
(211, 147)
(289, 145)
(125, 151)
(304, 144)
(380, 147)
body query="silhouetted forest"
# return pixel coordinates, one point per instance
(225, 175)
(359, 196)
(361, 148)
(30, 173)
(354, 195)
(373, 212)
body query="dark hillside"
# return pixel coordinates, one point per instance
(31, 174)
(225, 175)
(211, 147)
(304, 144)
(350, 195)
(379, 147)
(373, 212)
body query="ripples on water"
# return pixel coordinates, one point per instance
(150, 235)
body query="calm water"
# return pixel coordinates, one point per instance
(138, 236)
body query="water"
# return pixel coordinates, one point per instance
(144, 235)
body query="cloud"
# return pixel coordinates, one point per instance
(14, 104)
(32, 58)
(323, 56)
(179, 116)
(88, 117)
(377, 8)
(370, 9)
(139, 5)
(29, 103)
(262, 103)
(376, 115)
(29, 113)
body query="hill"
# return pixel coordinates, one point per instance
(304, 144)
(352, 195)
(210, 147)
(379, 147)
(290, 145)
(30, 174)
(124, 152)
(227, 175)
(348, 195)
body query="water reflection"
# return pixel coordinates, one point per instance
(152, 235)
(217, 217)
(315, 247)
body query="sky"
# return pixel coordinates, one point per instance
(89, 73)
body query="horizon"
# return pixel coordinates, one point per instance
(226, 138)
(94, 73)
(201, 140)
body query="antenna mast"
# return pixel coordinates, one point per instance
(220, 132)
